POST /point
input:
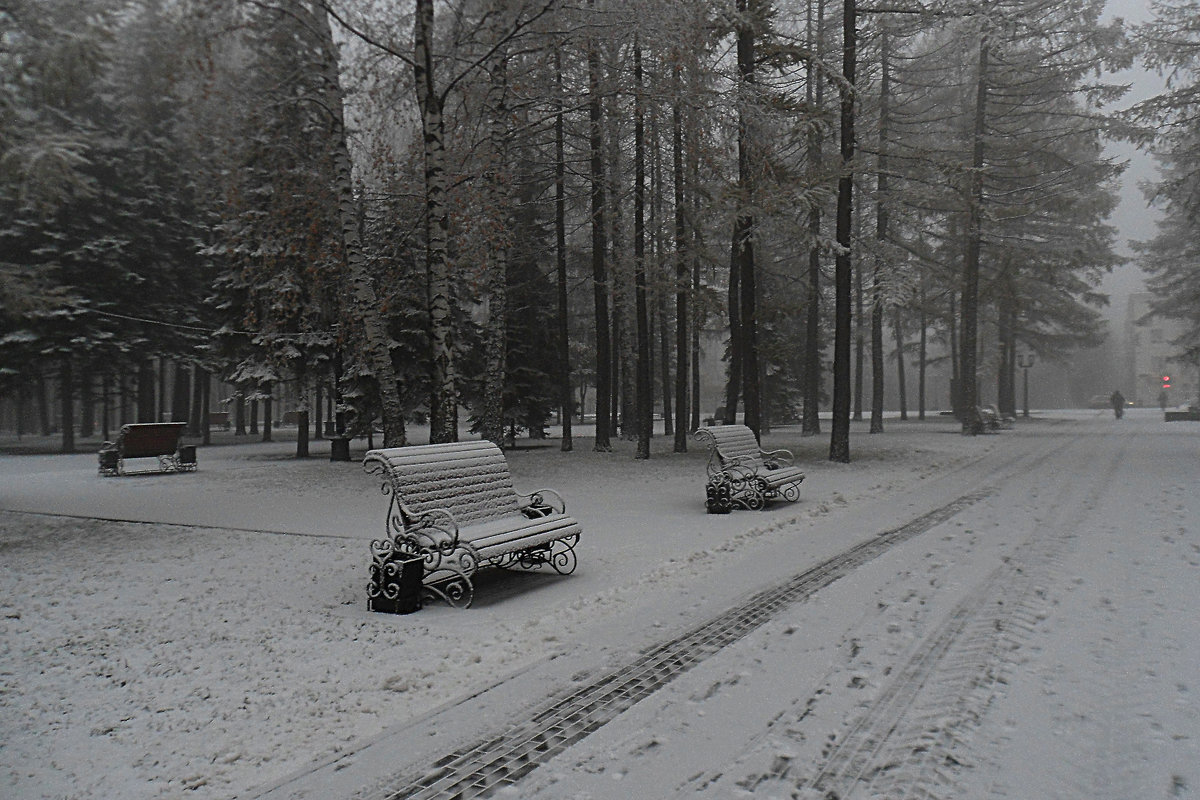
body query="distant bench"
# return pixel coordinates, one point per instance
(741, 474)
(158, 440)
(988, 419)
(453, 509)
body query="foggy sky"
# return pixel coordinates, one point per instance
(1132, 218)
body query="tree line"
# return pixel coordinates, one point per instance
(515, 207)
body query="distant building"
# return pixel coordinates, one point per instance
(1150, 356)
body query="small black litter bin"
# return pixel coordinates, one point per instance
(396, 585)
(339, 448)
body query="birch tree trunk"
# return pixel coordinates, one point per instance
(365, 305)
(495, 347)
(443, 402)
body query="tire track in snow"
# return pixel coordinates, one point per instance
(916, 735)
(499, 760)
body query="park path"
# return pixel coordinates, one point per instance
(942, 654)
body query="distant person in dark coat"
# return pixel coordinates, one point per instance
(1118, 403)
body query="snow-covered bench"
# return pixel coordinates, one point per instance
(453, 509)
(988, 419)
(741, 474)
(158, 440)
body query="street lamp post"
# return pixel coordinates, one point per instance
(1025, 361)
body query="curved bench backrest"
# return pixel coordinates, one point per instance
(732, 441)
(148, 439)
(469, 479)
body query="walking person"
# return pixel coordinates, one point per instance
(1118, 403)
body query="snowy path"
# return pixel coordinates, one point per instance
(1002, 617)
(1041, 643)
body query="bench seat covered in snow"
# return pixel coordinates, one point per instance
(453, 509)
(743, 475)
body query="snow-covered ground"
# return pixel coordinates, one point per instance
(1026, 626)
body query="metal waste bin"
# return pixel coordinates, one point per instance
(396, 585)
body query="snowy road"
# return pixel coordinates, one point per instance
(1036, 636)
(1012, 616)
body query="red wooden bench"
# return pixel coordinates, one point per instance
(159, 440)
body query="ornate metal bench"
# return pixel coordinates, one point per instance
(148, 440)
(453, 509)
(741, 474)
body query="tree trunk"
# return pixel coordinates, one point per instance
(443, 404)
(881, 234)
(901, 387)
(743, 230)
(268, 413)
(194, 421)
(811, 423)
(105, 405)
(698, 243)
(970, 276)
(205, 378)
(319, 406)
(664, 358)
(181, 390)
(239, 413)
(87, 402)
(859, 342)
(621, 283)
(681, 271)
(560, 251)
(496, 329)
(147, 379)
(644, 391)
(1006, 396)
(599, 246)
(733, 385)
(365, 305)
(302, 432)
(922, 359)
(839, 442)
(66, 390)
(955, 373)
(876, 358)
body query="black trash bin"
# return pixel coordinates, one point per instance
(187, 456)
(400, 576)
(339, 448)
